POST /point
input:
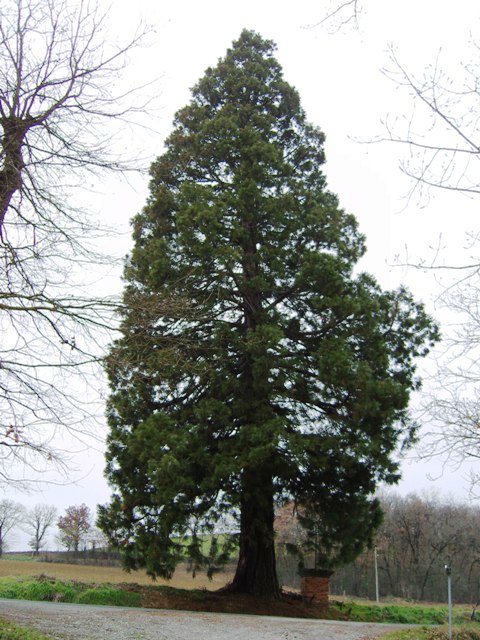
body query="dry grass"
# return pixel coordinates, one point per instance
(99, 575)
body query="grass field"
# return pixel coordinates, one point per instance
(113, 575)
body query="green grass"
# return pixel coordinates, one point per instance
(10, 631)
(109, 595)
(49, 589)
(403, 614)
(44, 588)
(463, 632)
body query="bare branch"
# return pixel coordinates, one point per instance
(442, 131)
(340, 15)
(61, 105)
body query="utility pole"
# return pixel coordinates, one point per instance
(448, 571)
(377, 597)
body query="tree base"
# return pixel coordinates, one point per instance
(266, 593)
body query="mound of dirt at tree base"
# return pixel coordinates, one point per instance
(289, 605)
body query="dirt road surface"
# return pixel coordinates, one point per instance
(86, 622)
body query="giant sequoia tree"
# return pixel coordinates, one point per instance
(254, 364)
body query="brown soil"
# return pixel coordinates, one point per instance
(289, 605)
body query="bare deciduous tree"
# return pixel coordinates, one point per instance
(11, 514)
(451, 405)
(441, 132)
(37, 522)
(440, 136)
(96, 539)
(419, 535)
(61, 103)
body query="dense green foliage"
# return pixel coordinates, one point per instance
(255, 364)
(49, 589)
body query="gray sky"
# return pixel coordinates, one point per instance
(343, 90)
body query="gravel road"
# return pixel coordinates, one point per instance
(86, 622)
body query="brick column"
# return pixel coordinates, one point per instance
(314, 586)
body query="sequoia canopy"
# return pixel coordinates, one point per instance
(255, 363)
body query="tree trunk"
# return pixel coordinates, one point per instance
(14, 130)
(256, 571)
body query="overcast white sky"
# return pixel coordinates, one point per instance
(343, 90)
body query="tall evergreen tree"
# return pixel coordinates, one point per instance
(254, 365)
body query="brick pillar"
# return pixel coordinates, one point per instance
(314, 586)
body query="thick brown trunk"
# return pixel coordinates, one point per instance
(14, 130)
(256, 571)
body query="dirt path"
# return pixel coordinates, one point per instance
(85, 622)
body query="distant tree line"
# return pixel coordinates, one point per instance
(418, 537)
(76, 532)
